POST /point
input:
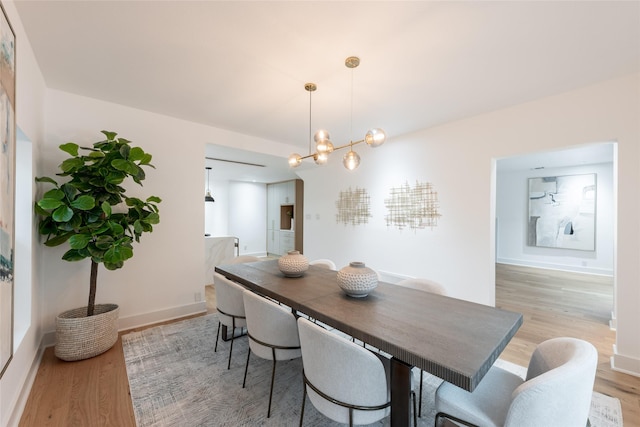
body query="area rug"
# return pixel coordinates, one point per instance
(176, 379)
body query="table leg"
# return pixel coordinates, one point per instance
(400, 393)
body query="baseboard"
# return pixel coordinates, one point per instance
(145, 319)
(139, 320)
(390, 277)
(25, 390)
(559, 267)
(625, 364)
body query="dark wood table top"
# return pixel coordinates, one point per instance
(453, 339)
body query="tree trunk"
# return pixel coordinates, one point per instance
(92, 288)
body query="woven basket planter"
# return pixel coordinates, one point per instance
(80, 337)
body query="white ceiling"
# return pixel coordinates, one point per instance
(242, 65)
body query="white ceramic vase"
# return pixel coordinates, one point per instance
(293, 264)
(357, 280)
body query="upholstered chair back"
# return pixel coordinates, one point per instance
(558, 387)
(270, 323)
(229, 301)
(344, 371)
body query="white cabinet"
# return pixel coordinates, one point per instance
(273, 242)
(273, 209)
(282, 212)
(287, 192)
(287, 242)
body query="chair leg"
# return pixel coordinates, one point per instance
(415, 418)
(233, 334)
(246, 368)
(420, 404)
(273, 375)
(217, 336)
(304, 397)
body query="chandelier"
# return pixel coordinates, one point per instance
(322, 139)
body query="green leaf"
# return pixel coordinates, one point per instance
(79, 241)
(136, 154)
(46, 179)
(70, 148)
(152, 218)
(125, 166)
(154, 199)
(48, 227)
(95, 252)
(69, 190)
(113, 266)
(112, 256)
(84, 203)
(116, 229)
(58, 240)
(118, 254)
(54, 194)
(96, 154)
(62, 214)
(106, 208)
(75, 222)
(73, 255)
(124, 151)
(49, 204)
(137, 227)
(39, 211)
(146, 159)
(116, 177)
(71, 164)
(104, 242)
(110, 135)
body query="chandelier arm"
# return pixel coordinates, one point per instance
(350, 144)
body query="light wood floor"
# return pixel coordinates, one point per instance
(95, 392)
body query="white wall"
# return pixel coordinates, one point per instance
(512, 213)
(239, 210)
(247, 215)
(459, 159)
(30, 95)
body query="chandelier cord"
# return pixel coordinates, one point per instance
(351, 118)
(310, 145)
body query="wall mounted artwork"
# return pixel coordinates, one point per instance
(7, 187)
(562, 212)
(353, 207)
(414, 207)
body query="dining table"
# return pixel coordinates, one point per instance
(453, 339)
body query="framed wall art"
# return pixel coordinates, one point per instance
(7, 186)
(562, 212)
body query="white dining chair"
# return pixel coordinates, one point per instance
(344, 381)
(325, 263)
(273, 334)
(424, 285)
(241, 259)
(557, 391)
(230, 307)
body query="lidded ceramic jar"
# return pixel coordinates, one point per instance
(357, 280)
(293, 264)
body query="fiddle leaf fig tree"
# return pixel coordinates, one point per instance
(91, 212)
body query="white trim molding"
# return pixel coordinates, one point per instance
(625, 364)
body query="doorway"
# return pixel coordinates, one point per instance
(514, 245)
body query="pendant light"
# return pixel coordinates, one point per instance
(208, 197)
(323, 145)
